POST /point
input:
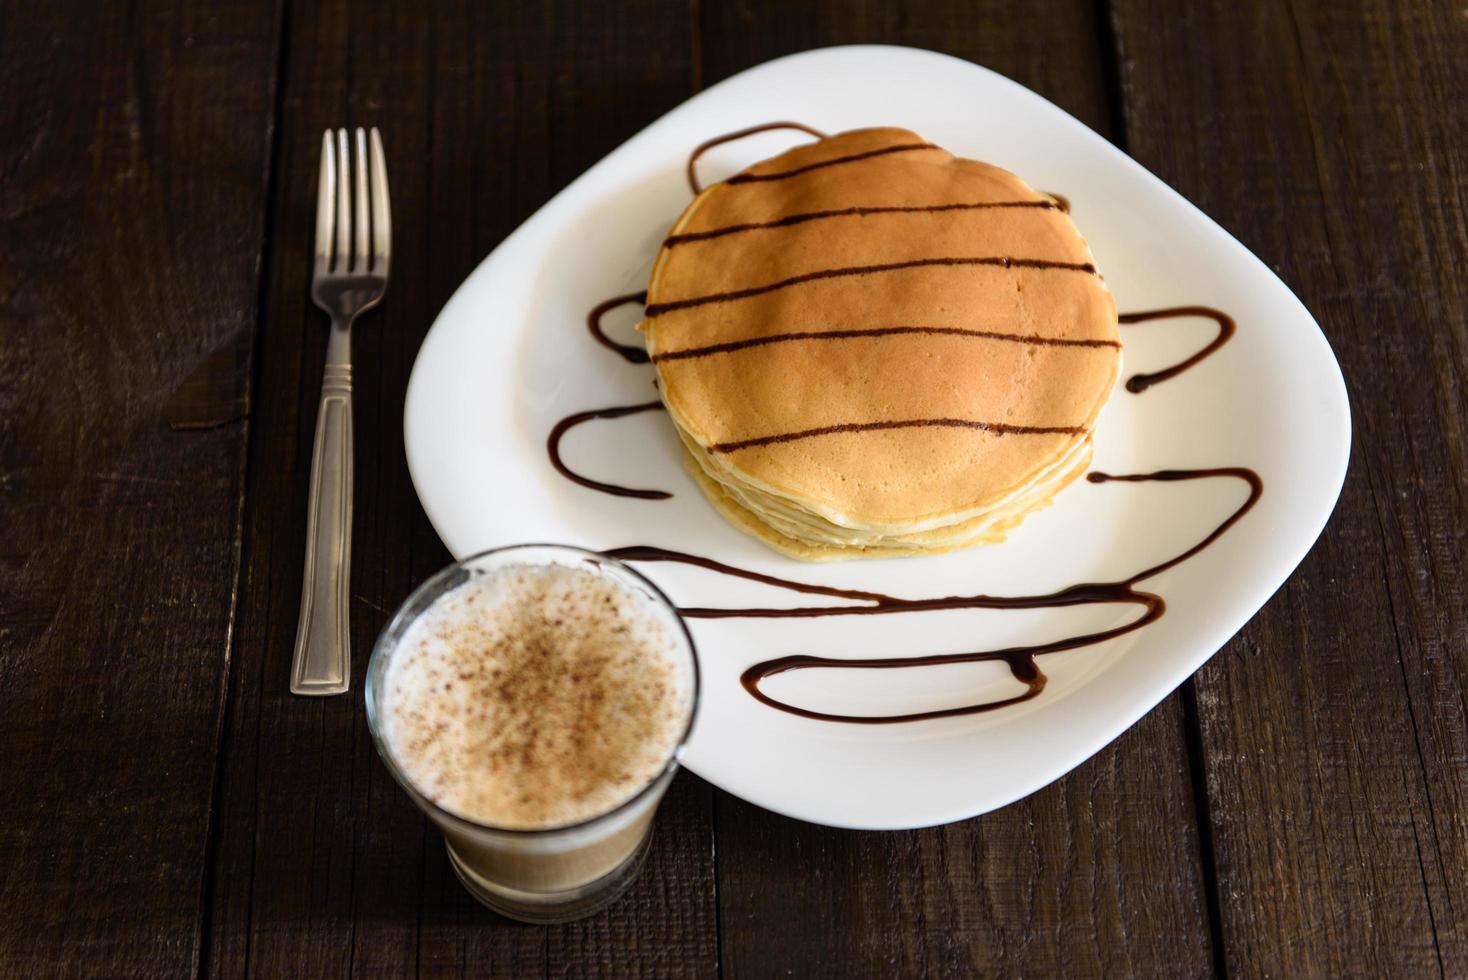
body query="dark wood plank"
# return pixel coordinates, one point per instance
(324, 867)
(132, 202)
(1098, 874)
(1329, 138)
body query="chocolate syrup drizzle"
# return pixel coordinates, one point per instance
(632, 353)
(738, 134)
(553, 448)
(1019, 659)
(1002, 261)
(801, 218)
(998, 428)
(749, 178)
(1139, 383)
(1136, 384)
(1033, 340)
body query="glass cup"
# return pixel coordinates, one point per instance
(557, 873)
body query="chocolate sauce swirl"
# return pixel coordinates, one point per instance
(998, 428)
(1139, 383)
(739, 134)
(856, 212)
(553, 448)
(748, 178)
(1033, 340)
(1002, 261)
(632, 353)
(1019, 659)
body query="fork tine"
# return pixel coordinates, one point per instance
(325, 203)
(381, 208)
(343, 204)
(360, 255)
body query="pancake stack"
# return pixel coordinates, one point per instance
(870, 347)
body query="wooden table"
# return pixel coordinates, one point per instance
(166, 807)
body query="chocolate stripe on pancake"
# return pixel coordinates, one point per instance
(779, 338)
(999, 428)
(834, 161)
(1004, 261)
(796, 219)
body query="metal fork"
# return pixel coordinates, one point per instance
(353, 247)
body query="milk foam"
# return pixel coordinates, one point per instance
(536, 696)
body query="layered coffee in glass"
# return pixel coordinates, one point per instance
(534, 702)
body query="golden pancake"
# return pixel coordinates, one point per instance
(797, 544)
(870, 347)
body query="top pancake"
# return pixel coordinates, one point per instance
(887, 335)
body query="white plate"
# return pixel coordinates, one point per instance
(510, 355)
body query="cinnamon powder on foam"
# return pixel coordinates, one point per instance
(536, 696)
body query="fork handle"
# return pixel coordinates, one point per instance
(323, 656)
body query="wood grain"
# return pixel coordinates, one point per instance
(132, 189)
(1099, 874)
(1309, 793)
(1329, 138)
(323, 864)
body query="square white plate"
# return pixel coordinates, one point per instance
(510, 355)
